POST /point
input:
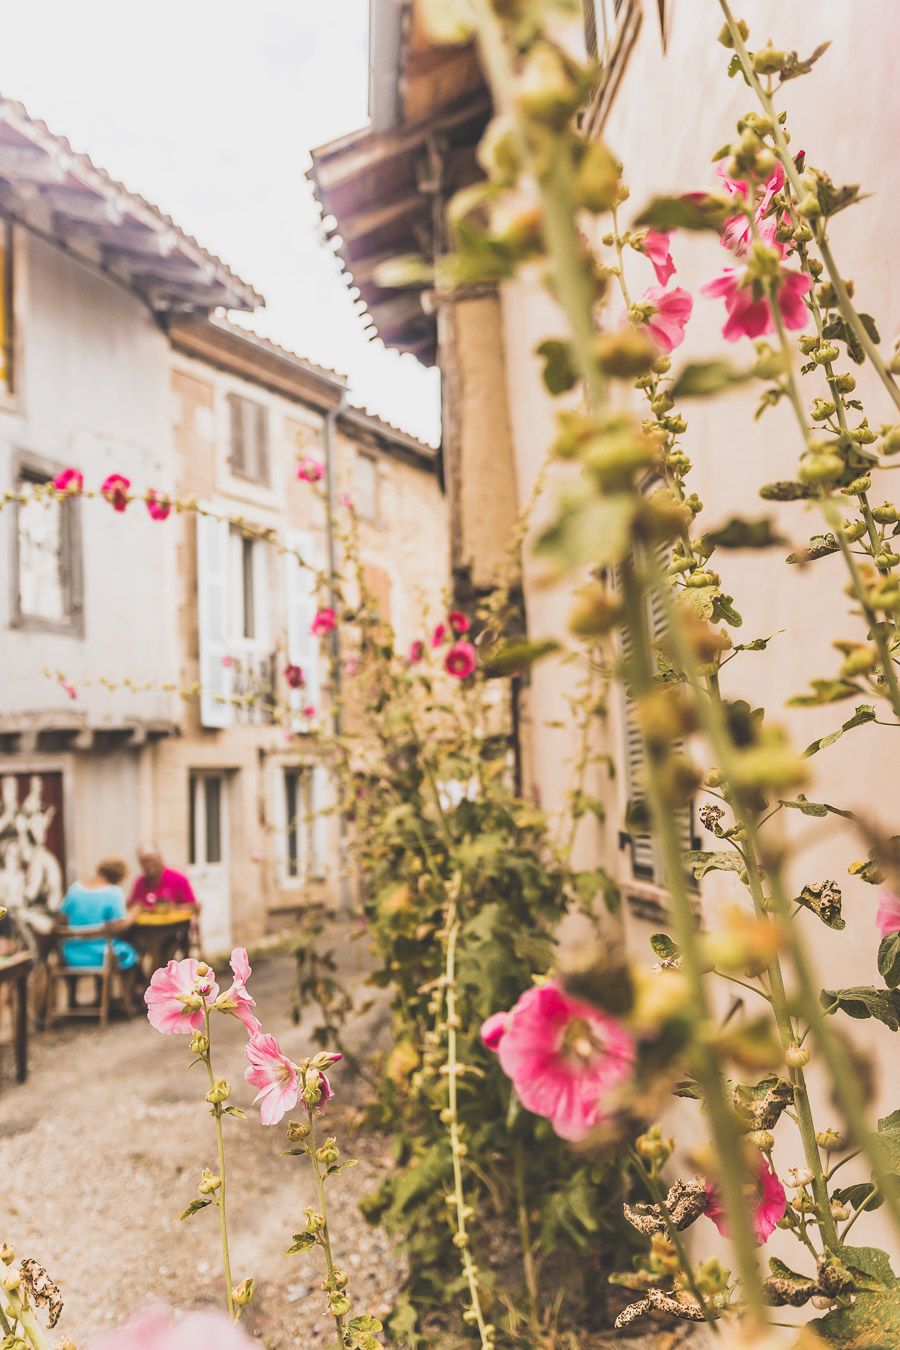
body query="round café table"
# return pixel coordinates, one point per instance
(162, 934)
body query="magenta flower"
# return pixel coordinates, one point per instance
(888, 916)
(461, 660)
(747, 305)
(655, 247)
(236, 999)
(769, 1204)
(565, 1057)
(416, 652)
(738, 231)
(70, 480)
(156, 1329)
(178, 995)
(324, 622)
(159, 507)
(458, 622)
(115, 489)
(439, 635)
(309, 711)
(667, 313)
(294, 676)
(275, 1075)
(310, 470)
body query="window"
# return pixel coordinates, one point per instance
(304, 813)
(365, 494)
(248, 438)
(46, 555)
(247, 582)
(6, 307)
(206, 819)
(236, 657)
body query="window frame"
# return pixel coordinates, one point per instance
(36, 469)
(260, 472)
(373, 460)
(300, 827)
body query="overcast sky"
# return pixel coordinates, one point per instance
(209, 108)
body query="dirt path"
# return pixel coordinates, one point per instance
(101, 1150)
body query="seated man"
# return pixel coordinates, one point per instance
(158, 884)
(100, 900)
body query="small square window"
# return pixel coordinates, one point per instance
(365, 495)
(46, 554)
(248, 431)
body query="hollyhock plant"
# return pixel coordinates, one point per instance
(157, 1329)
(461, 660)
(655, 247)
(747, 304)
(70, 481)
(888, 916)
(769, 1204)
(416, 652)
(665, 315)
(565, 1057)
(178, 995)
(158, 507)
(310, 470)
(274, 1075)
(236, 999)
(439, 636)
(294, 676)
(458, 622)
(325, 622)
(738, 231)
(115, 489)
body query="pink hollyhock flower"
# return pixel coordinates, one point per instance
(275, 1076)
(461, 660)
(769, 1204)
(655, 247)
(309, 711)
(68, 689)
(156, 1329)
(564, 1057)
(227, 662)
(667, 315)
(738, 232)
(439, 635)
(294, 676)
(416, 652)
(310, 470)
(747, 305)
(236, 999)
(458, 622)
(346, 501)
(351, 666)
(115, 489)
(324, 622)
(159, 507)
(888, 916)
(70, 480)
(175, 998)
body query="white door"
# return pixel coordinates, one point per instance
(209, 858)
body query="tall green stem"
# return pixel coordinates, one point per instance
(651, 1180)
(220, 1193)
(528, 1264)
(325, 1236)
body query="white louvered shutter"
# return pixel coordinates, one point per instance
(212, 621)
(322, 803)
(303, 648)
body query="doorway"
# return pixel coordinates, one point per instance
(208, 849)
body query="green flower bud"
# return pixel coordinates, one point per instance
(243, 1293)
(547, 90)
(845, 384)
(597, 178)
(338, 1305)
(886, 559)
(863, 434)
(209, 1183)
(7, 1254)
(198, 1044)
(297, 1131)
(820, 468)
(890, 440)
(808, 206)
(854, 529)
(886, 514)
(725, 35)
(822, 409)
(808, 344)
(595, 612)
(829, 1140)
(626, 353)
(219, 1092)
(653, 1147)
(796, 1056)
(827, 352)
(768, 61)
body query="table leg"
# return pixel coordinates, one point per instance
(22, 1029)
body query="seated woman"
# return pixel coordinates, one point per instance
(100, 900)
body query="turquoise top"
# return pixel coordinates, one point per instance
(85, 907)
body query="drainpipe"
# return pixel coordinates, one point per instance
(334, 637)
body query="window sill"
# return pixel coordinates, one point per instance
(650, 903)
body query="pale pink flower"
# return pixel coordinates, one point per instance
(565, 1057)
(324, 622)
(416, 652)
(667, 315)
(888, 916)
(175, 998)
(156, 1329)
(310, 470)
(738, 232)
(274, 1074)
(115, 489)
(461, 660)
(769, 1204)
(158, 506)
(458, 622)
(346, 501)
(439, 635)
(747, 305)
(655, 247)
(236, 999)
(70, 480)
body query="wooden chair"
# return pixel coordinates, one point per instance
(106, 974)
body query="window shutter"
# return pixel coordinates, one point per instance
(261, 437)
(322, 802)
(303, 648)
(212, 621)
(237, 451)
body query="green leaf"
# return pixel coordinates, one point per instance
(862, 1194)
(589, 529)
(872, 1261)
(699, 211)
(820, 546)
(236, 1111)
(889, 1130)
(871, 328)
(560, 371)
(786, 492)
(889, 960)
(723, 611)
(871, 1323)
(823, 900)
(664, 947)
(700, 378)
(824, 691)
(742, 533)
(865, 712)
(196, 1205)
(757, 645)
(864, 1001)
(701, 862)
(816, 808)
(793, 67)
(301, 1242)
(511, 658)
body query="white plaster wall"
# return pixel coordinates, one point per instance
(92, 392)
